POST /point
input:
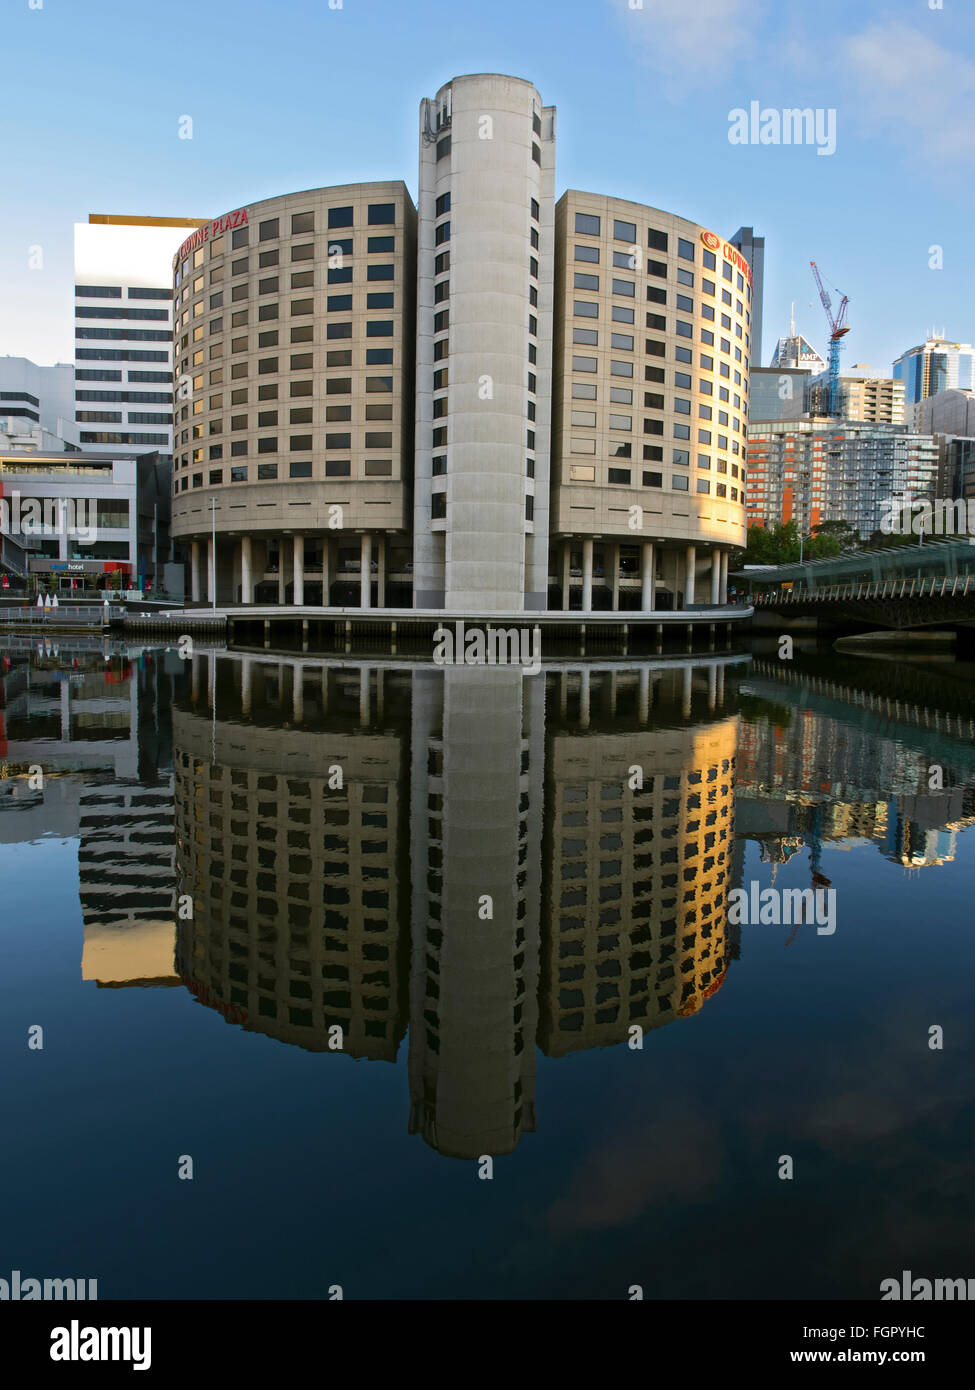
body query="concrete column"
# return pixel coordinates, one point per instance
(211, 679)
(246, 684)
(584, 696)
(211, 570)
(677, 603)
(326, 568)
(715, 574)
(587, 575)
(299, 564)
(646, 577)
(686, 692)
(382, 542)
(282, 543)
(246, 571)
(689, 580)
(564, 693)
(364, 674)
(712, 686)
(719, 692)
(196, 663)
(65, 712)
(195, 571)
(365, 571)
(724, 578)
(614, 581)
(566, 573)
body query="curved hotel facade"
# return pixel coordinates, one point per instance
(491, 403)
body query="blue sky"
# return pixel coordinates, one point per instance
(282, 98)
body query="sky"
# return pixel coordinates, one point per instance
(292, 94)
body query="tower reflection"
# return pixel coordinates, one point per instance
(494, 862)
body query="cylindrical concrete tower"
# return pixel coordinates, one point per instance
(484, 332)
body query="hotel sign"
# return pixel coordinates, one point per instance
(210, 230)
(730, 253)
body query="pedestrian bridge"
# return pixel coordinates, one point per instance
(889, 603)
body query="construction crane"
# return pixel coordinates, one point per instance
(837, 328)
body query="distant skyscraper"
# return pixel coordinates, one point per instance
(797, 351)
(752, 247)
(123, 270)
(933, 366)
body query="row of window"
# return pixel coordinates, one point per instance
(590, 224)
(115, 292)
(623, 477)
(268, 472)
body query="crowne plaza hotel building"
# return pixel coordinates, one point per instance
(492, 402)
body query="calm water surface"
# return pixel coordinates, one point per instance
(339, 932)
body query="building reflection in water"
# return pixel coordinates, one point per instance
(491, 861)
(488, 862)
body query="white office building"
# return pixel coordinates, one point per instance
(123, 374)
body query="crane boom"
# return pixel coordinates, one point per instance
(837, 328)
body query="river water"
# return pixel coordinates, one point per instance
(436, 982)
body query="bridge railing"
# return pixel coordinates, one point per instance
(959, 586)
(65, 615)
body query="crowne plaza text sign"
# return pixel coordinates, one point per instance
(228, 222)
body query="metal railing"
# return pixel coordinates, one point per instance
(65, 615)
(959, 587)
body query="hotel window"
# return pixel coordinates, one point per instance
(338, 441)
(305, 252)
(266, 472)
(685, 277)
(266, 417)
(380, 213)
(379, 328)
(299, 442)
(585, 282)
(585, 418)
(682, 407)
(624, 287)
(379, 468)
(268, 446)
(379, 357)
(441, 291)
(300, 469)
(340, 275)
(584, 309)
(340, 217)
(268, 258)
(238, 448)
(587, 253)
(339, 303)
(621, 394)
(442, 233)
(621, 314)
(266, 365)
(338, 330)
(679, 483)
(299, 388)
(216, 476)
(658, 268)
(721, 489)
(438, 506)
(657, 321)
(653, 400)
(653, 479)
(535, 209)
(300, 415)
(584, 364)
(443, 204)
(582, 473)
(623, 341)
(268, 230)
(443, 148)
(238, 474)
(703, 485)
(619, 475)
(380, 243)
(657, 240)
(267, 311)
(621, 422)
(582, 391)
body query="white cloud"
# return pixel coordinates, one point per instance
(689, 41)
(922, 92)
